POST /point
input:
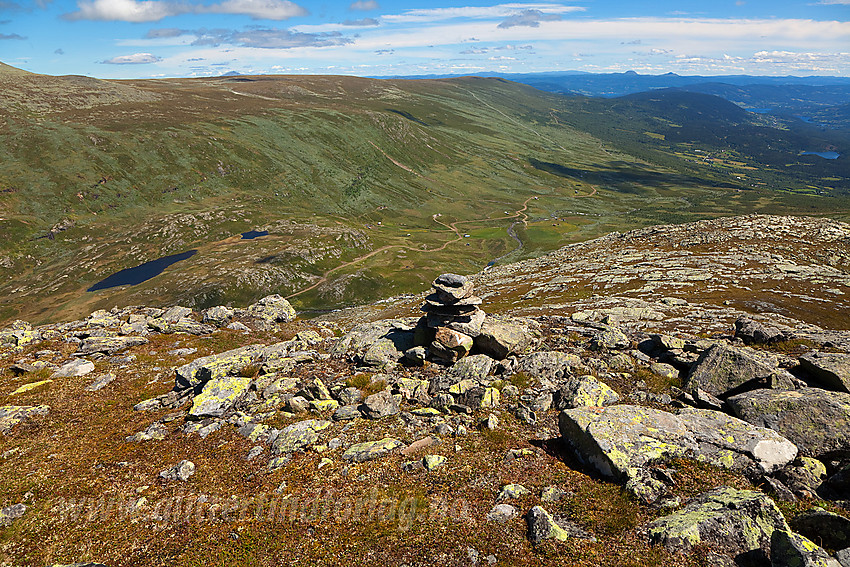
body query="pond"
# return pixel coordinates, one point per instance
(252, 234)
(142, 272)
(825, 155)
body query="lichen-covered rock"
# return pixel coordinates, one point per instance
(542, 525)
(183, 325)
(370, 450)
(734, 521)
(11, 513)
(181, 471)
(362, 336)
(206, 368)
(219, 395)
(79, 367)
(219, 316)
(270, 310)
(381, 404)
(578, 391)
(618, 438)
(817, 421)
(831, 530)
(502, 513)
(610, 338)
(788, 549)
(830, 369)
(450, 345)
(13, 415)
(548, 367)
(109, 345)
(299, 435)
(473, 367)
(723, 370)
(31, 386)
(503, 337)
(754, 332)
(382, 354)
(512, 491)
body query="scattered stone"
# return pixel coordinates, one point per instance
(155, 432)
(79, 367)
(830, 530)
(219, 316)
(11, 513)
(181, 471)
(13, 415)
(346, 413)
(723, 371)
(753, 332)
(490, 423)
(474, 367)
(108, 345)
(502, 513)
(420, 445)
(616, 440)
(219, 395)
(610, 338)
(31, 386)
(830, 369)
(500, 338)
(370, 450)
(548, 367)
(431, 462)
(512, 491)
(382, 404)
(299, 436)
(100, 382)
(206, 368)
(734, 521)
(788, 549)
(542, 526)
(552, 494)
(270, 310)
(817, 421)
(581, 391)
(382, 354)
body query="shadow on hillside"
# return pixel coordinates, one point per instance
(624, 177)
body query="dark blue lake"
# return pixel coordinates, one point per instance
(252, 234)
(760, 110)
(825, 155)
(142, 272)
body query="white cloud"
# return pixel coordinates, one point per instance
(135, 59)
(259, 9)
(154, 10)
(475, 12)
(530, 18)
(364, 5)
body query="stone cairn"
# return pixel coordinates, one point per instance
(452, 316)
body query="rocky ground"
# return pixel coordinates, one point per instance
(671, 396)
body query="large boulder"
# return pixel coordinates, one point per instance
(737, 522)
(371, 450)
(207, 368)
(578, 391)
(829, 529)
(549, 368)
(788, 549)
(500, 338)
(724, 370)
(109, 345)
(619, 440)
(219, 395)
(361, 337)
(271, 310)
(299, 436)
(754, 332)
(817, 421)
(830, 369)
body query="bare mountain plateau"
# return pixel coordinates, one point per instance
(334, 320)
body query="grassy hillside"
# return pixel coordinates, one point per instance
(368, 188)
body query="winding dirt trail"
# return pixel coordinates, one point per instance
(451, 227)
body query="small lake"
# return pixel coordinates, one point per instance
(825, 155)
(142, 272)
(252, 234)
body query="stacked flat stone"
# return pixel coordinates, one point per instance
(453, 313)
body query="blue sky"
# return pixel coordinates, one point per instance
(184, 38)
